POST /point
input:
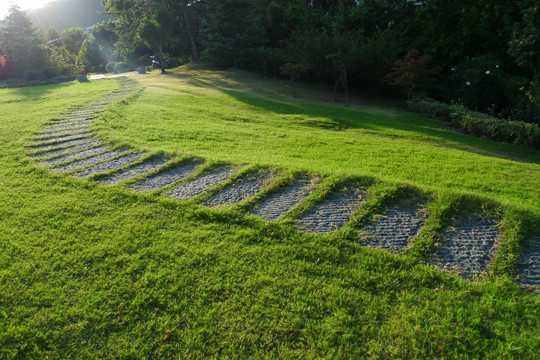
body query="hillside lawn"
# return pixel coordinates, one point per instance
(94, 271)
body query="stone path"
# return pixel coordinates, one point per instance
(202, 183)
(240, 190)
(396, 228)
(468, 248)
(529, 272)
(280, 203)
(333, 213)
(69, 145)
(166, 178)
(135, 171)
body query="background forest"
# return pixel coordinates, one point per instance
(484, 55)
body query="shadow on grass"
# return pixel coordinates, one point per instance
(373, 119)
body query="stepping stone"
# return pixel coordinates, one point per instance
(91, 160)
(166, 178)
(63, 144)
(87, 135)
(530, 270)
(64, 132)
(77, 155)
(200, 184)
(242, 189)
(333, 213)
(467, 248)
(67, 126)
(395, 228)
(140, 169)
(111, 165)
(280, 203)
(66, 150)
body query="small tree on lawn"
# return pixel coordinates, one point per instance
(411, 72)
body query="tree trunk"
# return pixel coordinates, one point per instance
(190, 31)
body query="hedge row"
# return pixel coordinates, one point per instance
(480, 125)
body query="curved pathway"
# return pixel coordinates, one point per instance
(69, 145)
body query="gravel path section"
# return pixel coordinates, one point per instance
(395, 228)
(91, 160)
(467, 248)
(67, 126)
(130, 173)
(166, 178)
(332, 214)
(85, 128)
(280, 203)
(66, 150)
(77, 155)
(240, 190)
(200, 184)
(86, 135)
(530, 270)
(111, 165)
(64, 144)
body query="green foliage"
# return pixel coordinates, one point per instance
(110, 67)
(50, 72)
(481, 125)
(89, 54)
(121, 67)
(73, 38)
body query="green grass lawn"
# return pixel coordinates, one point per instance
(93, 271)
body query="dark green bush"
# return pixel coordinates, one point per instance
(121, 67)
(479, 124)
(33, 75)
(111, 67)
(50, 73)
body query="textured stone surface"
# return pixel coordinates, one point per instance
(395, 228)
(48, 141)
(77, 130)
(140, 169)
(66, 150)
(91, 161)
(332, 214)
(468, 248)
(280, 203)
(166, 178)
(529, 272)
(200, 184)
(58, 145)
(111, 165)
(72, 125)
(77, 155)
(241, 189)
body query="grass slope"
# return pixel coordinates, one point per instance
(242, 119)
(90, 271)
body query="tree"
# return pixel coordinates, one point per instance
(155, 31)
(411, 72)
(21, 45)
(73, 38)
(89, 54)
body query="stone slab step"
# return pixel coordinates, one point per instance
(111, 165)
(395, 229)
(91, 160)
(241, 189)
(135, 171)
(280, 203)
(166, 178)
(77, 155)
(529, 272)
(199, 185)
(467, 248)
(66, 150)
(333, 213)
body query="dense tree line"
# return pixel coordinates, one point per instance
(483, 54)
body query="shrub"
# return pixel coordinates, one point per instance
(111, 67)
(33, 75)
(50, 73)
(121, 67)
(479, 124)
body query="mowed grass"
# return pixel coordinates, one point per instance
(92, 271)
(240, 118)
